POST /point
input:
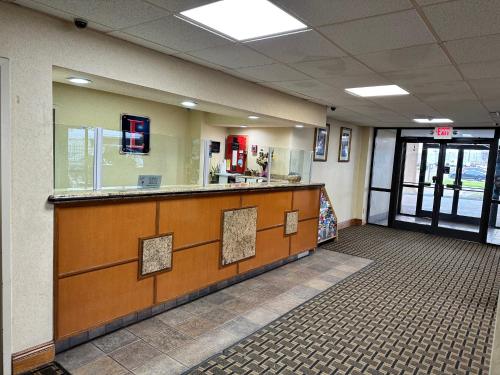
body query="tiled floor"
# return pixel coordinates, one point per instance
(426, 305)
(181, 338)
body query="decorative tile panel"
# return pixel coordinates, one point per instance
(155, 255)
(239, 233)
(291, 222)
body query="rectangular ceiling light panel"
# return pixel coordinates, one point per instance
(372, 91)
(244, 19)
(433, 120)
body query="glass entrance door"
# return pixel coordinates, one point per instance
(442, 187)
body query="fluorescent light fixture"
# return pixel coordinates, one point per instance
(371, 91)
(299, 126)
(79, 81)
(253, 117)
(431, 120)
(189, 103)
(243, 126)
(244, 19)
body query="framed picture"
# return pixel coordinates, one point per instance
(254, 150)
(321, 136)
(135, 134)
(345, 144)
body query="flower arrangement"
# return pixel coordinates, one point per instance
(263, 160)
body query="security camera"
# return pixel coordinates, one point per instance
(333, 109)
(81, 23)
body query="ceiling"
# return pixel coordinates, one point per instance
(445, 53)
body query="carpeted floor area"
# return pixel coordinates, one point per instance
(425, 306)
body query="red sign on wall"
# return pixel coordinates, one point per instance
(443, 132)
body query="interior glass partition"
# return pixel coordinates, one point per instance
(381, 176)
(73, 158)
(91, 158)
(88, 158)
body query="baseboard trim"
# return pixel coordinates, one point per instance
(349, 223)
(32, 358)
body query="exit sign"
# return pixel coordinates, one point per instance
(443, 132)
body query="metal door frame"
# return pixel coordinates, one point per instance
(434, 227)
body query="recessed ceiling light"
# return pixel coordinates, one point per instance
(299, 126)
(387, 90)
(431, 120)
(79, 81)
(252, 117)
(243, 126)
(244, 19)
(189, 103)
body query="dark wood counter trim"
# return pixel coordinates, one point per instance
(97, 268)
(85, 200)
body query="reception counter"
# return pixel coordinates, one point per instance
(124, 256)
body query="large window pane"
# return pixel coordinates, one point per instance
(379, 207)
(383, 158)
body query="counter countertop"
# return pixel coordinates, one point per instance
(89, 196)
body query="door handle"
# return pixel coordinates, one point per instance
(454, 187)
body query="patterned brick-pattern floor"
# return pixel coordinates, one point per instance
(425, 306)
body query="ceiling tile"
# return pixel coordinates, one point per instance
(396, 30)
(377, 112)
(60, 14)
(489, 69)
(486, 88)
(322, 12)
(493, 105)
(430, 2)
(464, 18)
(301, 85)
(405, 58)
(463, 111)
(408, 106)
(345, 81)
(332, 67)
(423, 75)
(478, 49)
(180, 5)
(298, 47)
(232, 56)
(177, 34)
(344, 114)
(144, 43)
(115, 14)
(196, 60)
(273, 73)
(441, 91)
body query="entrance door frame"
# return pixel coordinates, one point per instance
(5, 205)
(486, 205)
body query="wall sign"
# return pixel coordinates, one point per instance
(149, 181)
(443, 132)
(135, 134)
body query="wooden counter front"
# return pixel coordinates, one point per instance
(97, 257)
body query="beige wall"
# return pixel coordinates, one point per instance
(34, 43)
(281, 139)
(346, 183)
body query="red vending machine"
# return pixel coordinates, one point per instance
(236, 153)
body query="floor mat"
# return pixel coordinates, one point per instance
(53, 368)
(425, 306)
